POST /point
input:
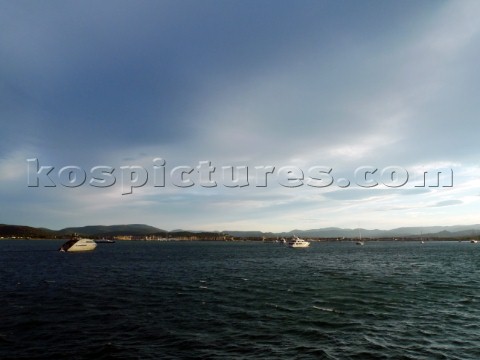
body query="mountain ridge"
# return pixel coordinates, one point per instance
(335, 232)
(328, 232)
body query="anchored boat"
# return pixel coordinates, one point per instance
(77, 244)
(105, 241)
(296, 242)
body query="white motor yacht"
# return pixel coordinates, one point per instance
(296, 242)
(77, 244)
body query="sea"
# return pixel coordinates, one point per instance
(240, 300)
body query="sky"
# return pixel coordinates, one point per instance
(329, 113)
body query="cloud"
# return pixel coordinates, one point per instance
(247, 83)
(369, 193)
(447, 203)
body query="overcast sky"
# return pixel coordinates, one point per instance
(340, 85)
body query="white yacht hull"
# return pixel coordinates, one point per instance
(299, 245)
(296, 242)
(79, 245)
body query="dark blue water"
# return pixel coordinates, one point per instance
(161, 300)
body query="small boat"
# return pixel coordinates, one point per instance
(296, 242)
(77, 244)
(359, 241)
(473, 241)
(104, 241)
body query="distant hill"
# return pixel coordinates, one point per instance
(456, 231)
(334, 232)
(92, 230)
(25, 231)
(113, 230)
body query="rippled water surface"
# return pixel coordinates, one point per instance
(160, 300)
